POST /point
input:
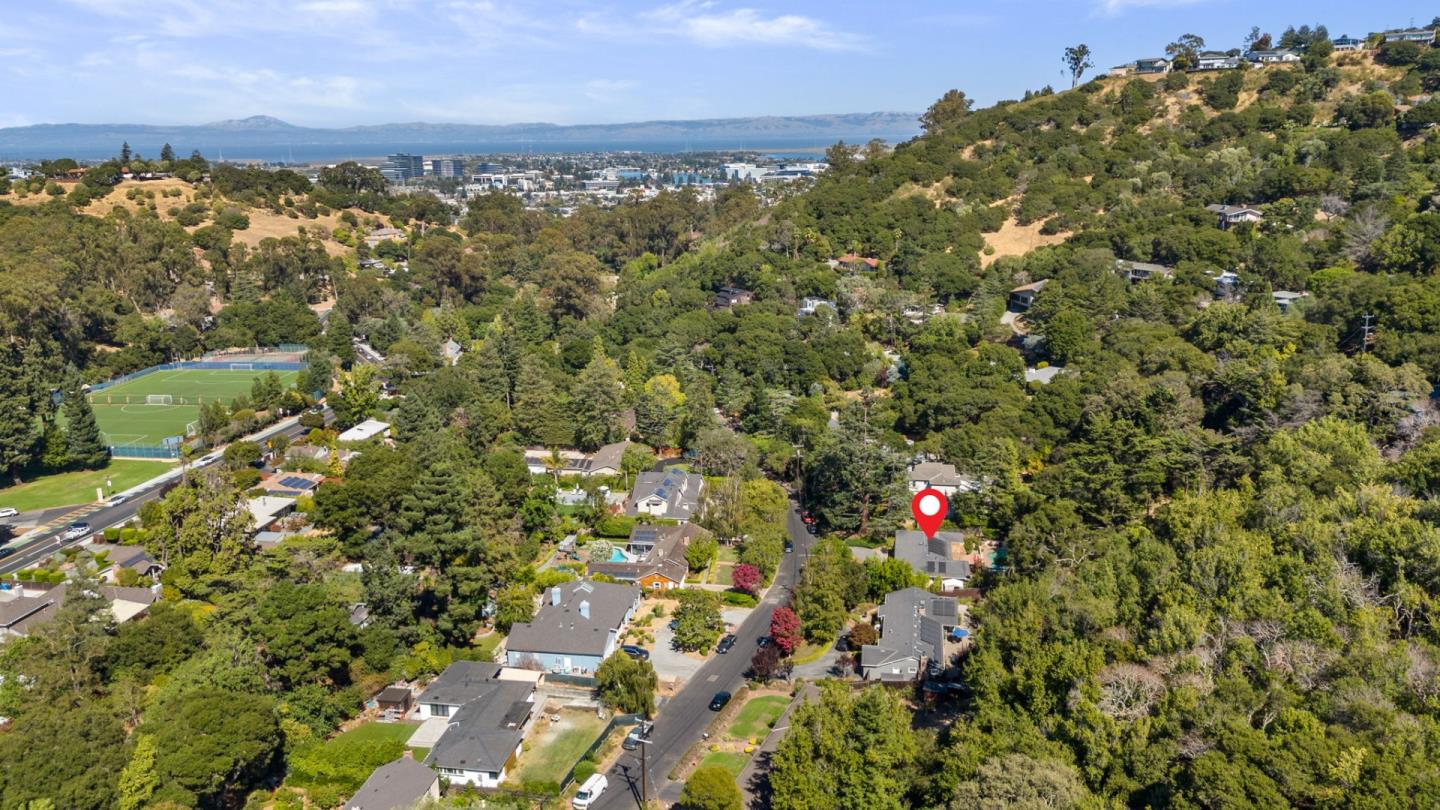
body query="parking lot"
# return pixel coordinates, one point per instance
(671, 664)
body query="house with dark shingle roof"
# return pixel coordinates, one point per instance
(941, 557)
(459, 684)
(578, 626)
(913, 624)
(482, 740)
(941, 476)
(397, 785)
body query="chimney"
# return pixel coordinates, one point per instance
(585, 608)
(407, 754)
(555, 596)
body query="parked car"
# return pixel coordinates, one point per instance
(590, 791)
(638, 653)
(789, 546)
(718, 702)
(8, 511)
(726, 642)
(76, 531)
(640, 732)
(842, 644)
(763, 641)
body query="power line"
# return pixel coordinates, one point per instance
(1367, 329)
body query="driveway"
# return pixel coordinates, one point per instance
(671, 664)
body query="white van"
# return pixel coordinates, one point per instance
(590, 791)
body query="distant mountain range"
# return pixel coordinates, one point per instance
(262, 137)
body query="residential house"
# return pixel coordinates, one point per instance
(365, 431)
(451, 351)
(1272, 56)
(810, 306)
(1042, 375)
(395, 699)
(1227, 284)
(134, 558)
(941, 476)
(290, 484)
(913, 627)
(1284, 299)
(1217, 60)
(1121, 71)
(729, 297)
(1142, 271)
(673, 495)
(578, 626)
(1348, 43)
(1232, 215)
(1023, 296)
(857, 264)
(941, 557)
(605, 461)
(482, 740)
(23, 608)
(267, 510)
(1424, 36)
(398, 785)
(1152, 64)
(379, 235)
(460, 683)
(654, 557)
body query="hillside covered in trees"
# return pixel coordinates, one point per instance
(1221, 532)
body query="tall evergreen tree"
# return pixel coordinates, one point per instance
(87, 448)
(167, 153)
(17, 421)
(599, 400)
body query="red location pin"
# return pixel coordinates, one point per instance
(930, 508)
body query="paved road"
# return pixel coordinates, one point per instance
(683, 718)
(46, 541)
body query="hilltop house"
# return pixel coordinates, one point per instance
(941, 476)
(1227, 284)
(729, 297)
(1348, 43)
(1232, 215)
(1217, 60)
(451, 351)
(913, 626)
(673, 494)
(810, 306)
(941, 557)
(654, 557)
(1424, 36)
(1272, 56)
(1152, 64)
(1284, 299)
(577, 627)
(856, 264)
(134, 558)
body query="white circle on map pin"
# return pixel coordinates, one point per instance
(930, 505)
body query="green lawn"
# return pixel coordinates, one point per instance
(554, 750)
(732, 761)
(126, 416)
(378, 732)
(74, 488)
(754, 719)
(487, 644)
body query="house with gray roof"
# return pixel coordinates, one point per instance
(673, 494)
(482, 740)
(654, 557)
(913, 626)
(397, 785)
(1142, 271)
(605, 461)
(941, 557)
(460, 683)
(941, 476)
(1232, 215)
(578, 626)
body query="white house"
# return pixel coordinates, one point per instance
(365, 431)
(941, 476)
(673, 494)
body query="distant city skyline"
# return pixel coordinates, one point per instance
(336, 63)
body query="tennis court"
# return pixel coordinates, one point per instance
(147, 409)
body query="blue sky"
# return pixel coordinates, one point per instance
(344, 62)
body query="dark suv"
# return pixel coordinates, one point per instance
(726, 642)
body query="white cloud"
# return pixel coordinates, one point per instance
(1120, 6)
(707, 24)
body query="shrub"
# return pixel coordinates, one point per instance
(614, 526)
(738, 599)
(584, 769)
(112, 534)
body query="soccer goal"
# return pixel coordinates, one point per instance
(242, 366)
(192, 428)
(159, 399)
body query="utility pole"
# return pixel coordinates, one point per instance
(644, 775)
(1366, 329)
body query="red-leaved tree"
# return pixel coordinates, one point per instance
(746, 577)
(785, 629)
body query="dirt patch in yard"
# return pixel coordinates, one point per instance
(1014, 239)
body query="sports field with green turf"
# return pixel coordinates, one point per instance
(145, 410)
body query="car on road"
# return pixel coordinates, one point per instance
(726, 642)
(638, 653)
(718, 702)
(6, 551)
(763, 641)
(590, 791)
(75, 531)
(789, 546)
(116, 500)
(640, 732)
(8, 511)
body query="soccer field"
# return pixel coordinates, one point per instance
(145, 410)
